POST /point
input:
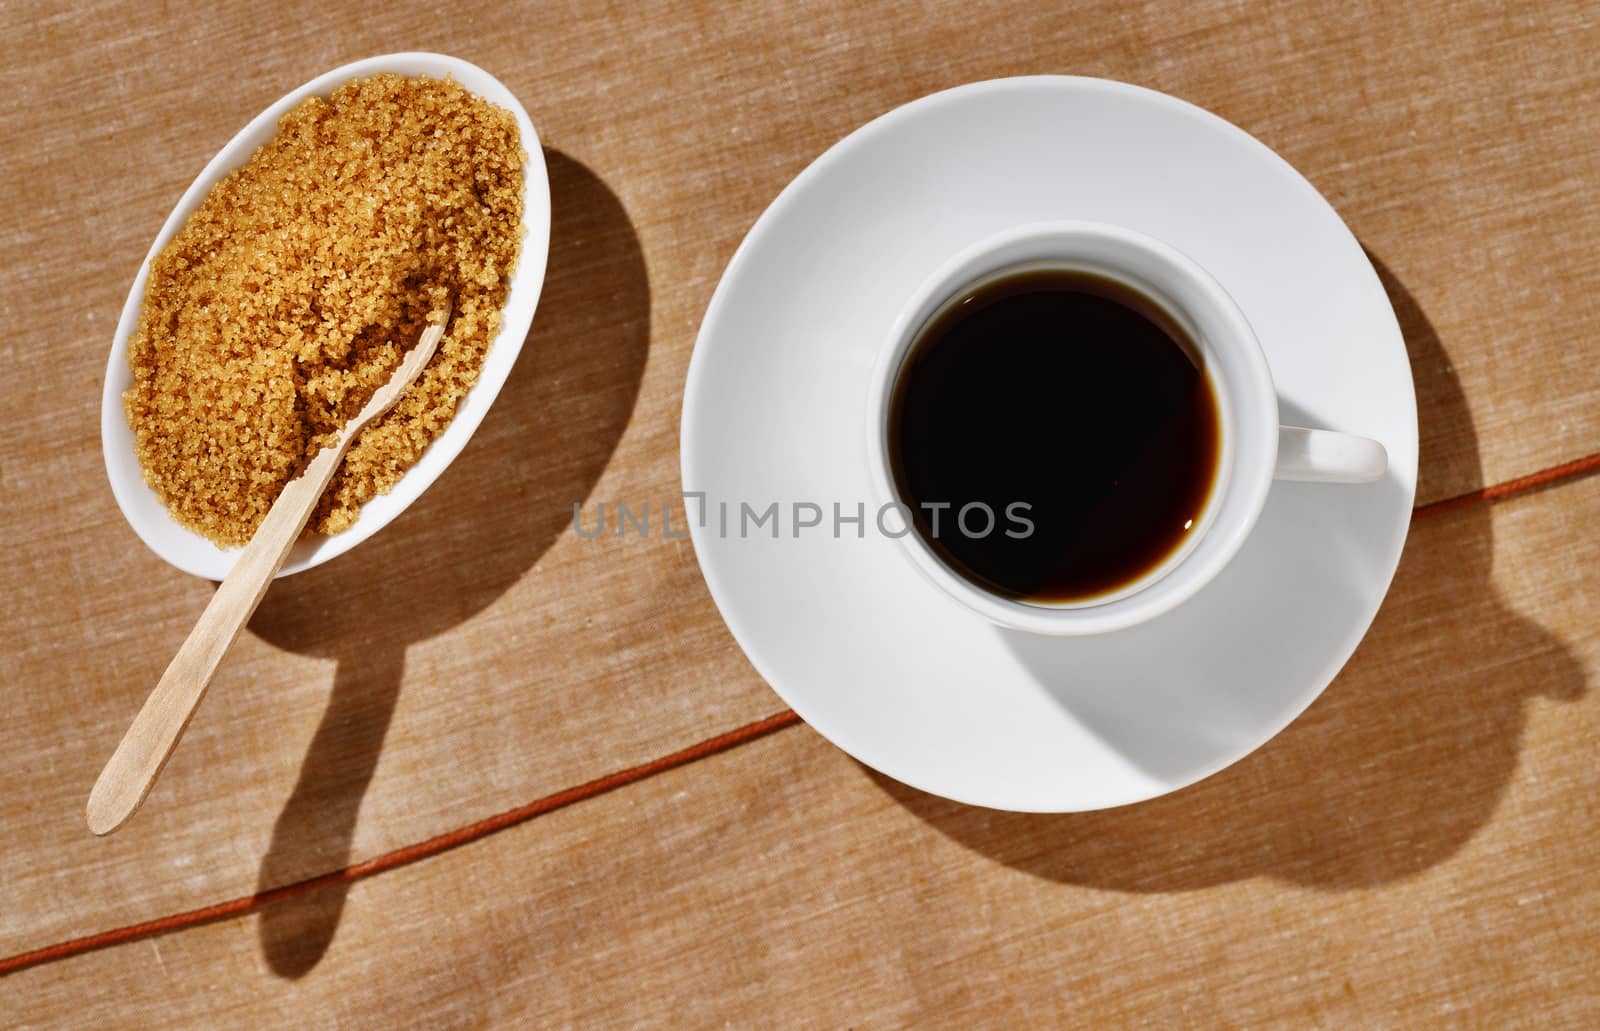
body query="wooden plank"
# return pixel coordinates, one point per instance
(1416, 851)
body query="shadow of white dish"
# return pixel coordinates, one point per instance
(144, 509)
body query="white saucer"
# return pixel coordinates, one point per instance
(850, 634)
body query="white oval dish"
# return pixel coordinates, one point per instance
(143, 508)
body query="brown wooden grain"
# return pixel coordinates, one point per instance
(1419, 849)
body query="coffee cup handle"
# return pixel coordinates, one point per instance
(1323, 456)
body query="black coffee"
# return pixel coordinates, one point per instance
(1072, 411)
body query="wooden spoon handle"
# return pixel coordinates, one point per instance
(138, 760)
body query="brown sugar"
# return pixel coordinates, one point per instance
(292, 292)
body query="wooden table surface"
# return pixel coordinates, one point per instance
(1422, 848)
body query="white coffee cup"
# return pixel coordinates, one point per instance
(1254, 449)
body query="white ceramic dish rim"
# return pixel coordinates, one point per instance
(143, 508)
(863, 136)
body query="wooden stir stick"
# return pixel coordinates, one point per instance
(144, 750)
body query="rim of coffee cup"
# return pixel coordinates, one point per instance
(1237, 369)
